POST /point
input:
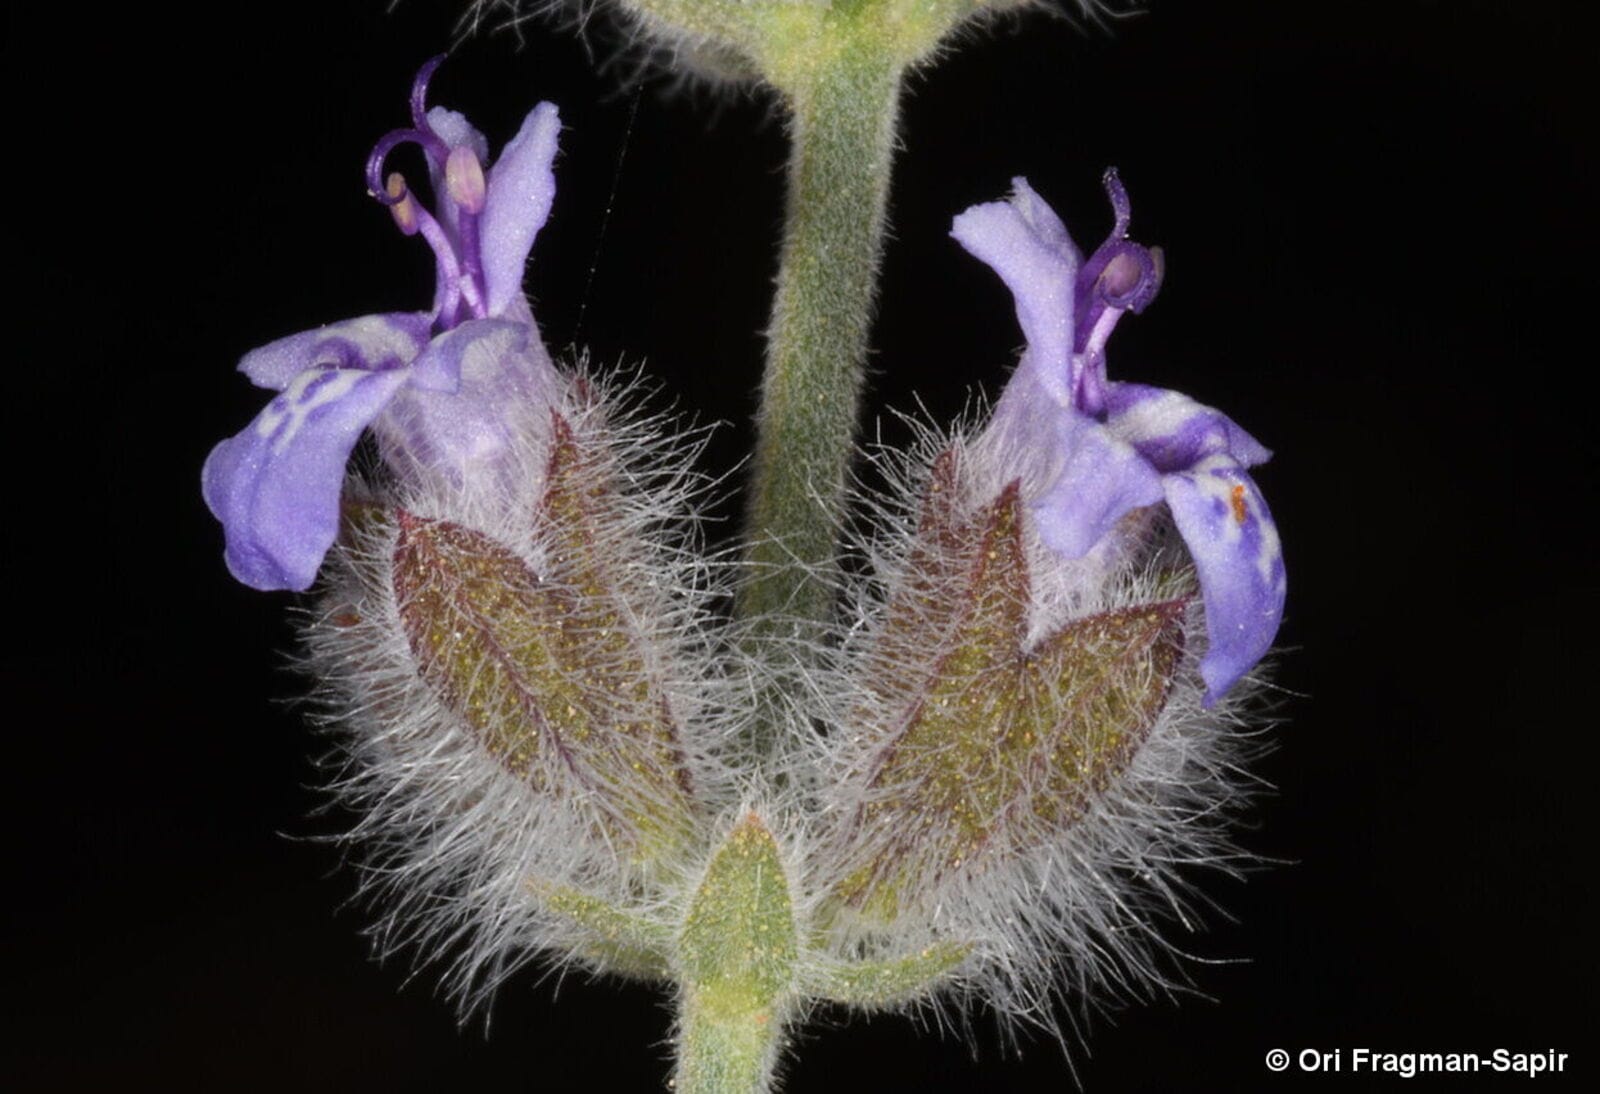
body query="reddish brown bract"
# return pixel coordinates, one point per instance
(548, 670)
(990, 746)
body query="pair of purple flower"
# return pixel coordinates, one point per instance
(439, 389)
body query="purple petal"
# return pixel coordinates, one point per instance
(454, 129)
(1173, 431)
(1100, 478)
(521, 189)
(1077, 478)
(1234, 543)
(275, 486)
(372, 343)
(487, 374)
(1024, 242)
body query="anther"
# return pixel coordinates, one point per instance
(1129, 275)
(463, 178)
(421, 133)
(1121, 275)
(402, 206)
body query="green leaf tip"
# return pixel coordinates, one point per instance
(617, 941)
(738, 940)
(874, 984)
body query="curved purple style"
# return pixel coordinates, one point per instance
(438, 388)
(1095, 449)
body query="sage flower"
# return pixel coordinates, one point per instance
(1091, 450)
(438, 388)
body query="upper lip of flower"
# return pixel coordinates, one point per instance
(1106, 448)
(275, 486)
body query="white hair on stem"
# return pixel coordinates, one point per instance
(641, 43)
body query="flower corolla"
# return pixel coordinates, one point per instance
(441, 390)
(1093, 450)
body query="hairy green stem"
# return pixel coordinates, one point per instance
(843, 109)
(736, 956)
(723, 1050)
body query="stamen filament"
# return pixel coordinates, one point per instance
(376, 185)
(1121, 207)
(451, 288)
(472, 286)
(419, 92)
(429, 141)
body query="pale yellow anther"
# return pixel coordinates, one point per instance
(463, 178)
(404, 207)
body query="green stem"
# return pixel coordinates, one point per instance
(843, 109)
(736, 956)
(723, 1050)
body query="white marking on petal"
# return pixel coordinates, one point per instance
(288, 412)
(1215, 477)
(378, 339)
(1271, 552)
(1162, 416)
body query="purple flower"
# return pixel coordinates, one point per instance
(440, 389)
(1092, 450)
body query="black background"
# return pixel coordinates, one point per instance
(1379, 220)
